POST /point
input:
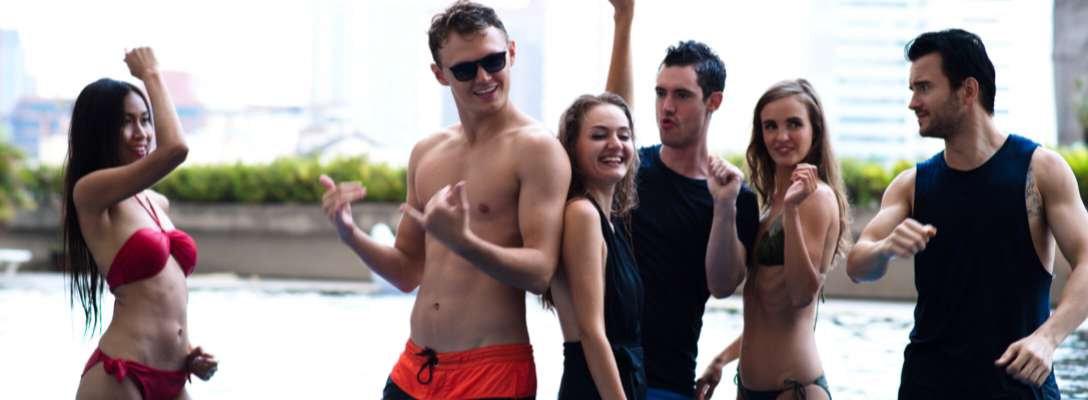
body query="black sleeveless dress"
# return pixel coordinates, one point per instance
(623, 301)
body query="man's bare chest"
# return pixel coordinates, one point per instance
(491, 181)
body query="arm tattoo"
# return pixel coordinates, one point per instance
(1031, 195)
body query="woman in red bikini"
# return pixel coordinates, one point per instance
(117, 229)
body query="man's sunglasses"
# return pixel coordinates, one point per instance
(466, 71)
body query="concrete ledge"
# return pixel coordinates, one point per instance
(297, 241)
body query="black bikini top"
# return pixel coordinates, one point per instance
(772, 245)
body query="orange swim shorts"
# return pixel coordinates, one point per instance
(504, 371)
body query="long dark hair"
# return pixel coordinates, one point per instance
(761, 166)
(625, 196)
(94, 142)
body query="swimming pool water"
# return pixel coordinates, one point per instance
(289, 344)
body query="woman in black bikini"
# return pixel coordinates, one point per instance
(597, 290)
(804, 226)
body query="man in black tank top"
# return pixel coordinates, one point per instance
(978, 219)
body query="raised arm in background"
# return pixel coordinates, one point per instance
(620, 70)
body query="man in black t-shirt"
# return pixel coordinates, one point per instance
(680, 211)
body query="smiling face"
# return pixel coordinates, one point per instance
(488, 91)
(787, 130)
(604, 148)
(137, 131)
(681, 111)
(934, 102)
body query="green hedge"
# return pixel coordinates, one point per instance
(294, 180)
(13, 193)
(286, 180)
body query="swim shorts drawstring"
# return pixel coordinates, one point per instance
(432, 361)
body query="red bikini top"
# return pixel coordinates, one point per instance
(146, 252)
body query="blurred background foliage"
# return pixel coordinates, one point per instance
(285, 180)
(13, 191)
(294, 180)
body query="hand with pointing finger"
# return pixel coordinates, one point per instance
(337, 203)
(445, 216)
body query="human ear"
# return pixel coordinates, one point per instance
(714, 101)
(438, 75)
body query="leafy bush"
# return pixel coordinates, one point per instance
(866, 181)
(294, 180)
(286, 180)
(43, 184)
(1077, 157)
(13, 193)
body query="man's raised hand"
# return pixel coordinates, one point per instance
(445, 216)
(337, 203)
(724, 180)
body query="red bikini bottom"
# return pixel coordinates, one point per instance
(154, 384)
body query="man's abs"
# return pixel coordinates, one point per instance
(460, 308)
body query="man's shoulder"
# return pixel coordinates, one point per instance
(533, 133)
(532, 140)
(649, 153)
(441, 136)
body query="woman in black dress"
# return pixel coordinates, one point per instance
(597, 291)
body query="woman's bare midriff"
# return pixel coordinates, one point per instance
(149, 321)
(779, 342)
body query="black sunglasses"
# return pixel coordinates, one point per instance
(466, 71)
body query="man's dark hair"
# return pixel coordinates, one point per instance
(709, 69)
(962, 56)
(463, 18)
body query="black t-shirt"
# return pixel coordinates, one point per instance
(670, 230)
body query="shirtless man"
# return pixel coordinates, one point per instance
(689, 232)
(481, 225)
(981, 219)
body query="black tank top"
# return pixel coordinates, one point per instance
(623, 285)
(980, 283)
(623, 302)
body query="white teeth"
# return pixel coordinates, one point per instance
(486, 91)
(611, 159)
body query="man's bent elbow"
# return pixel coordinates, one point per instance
(721, 291)
(858, 274)
(408, 282)
(539, 287)
(406, 285)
